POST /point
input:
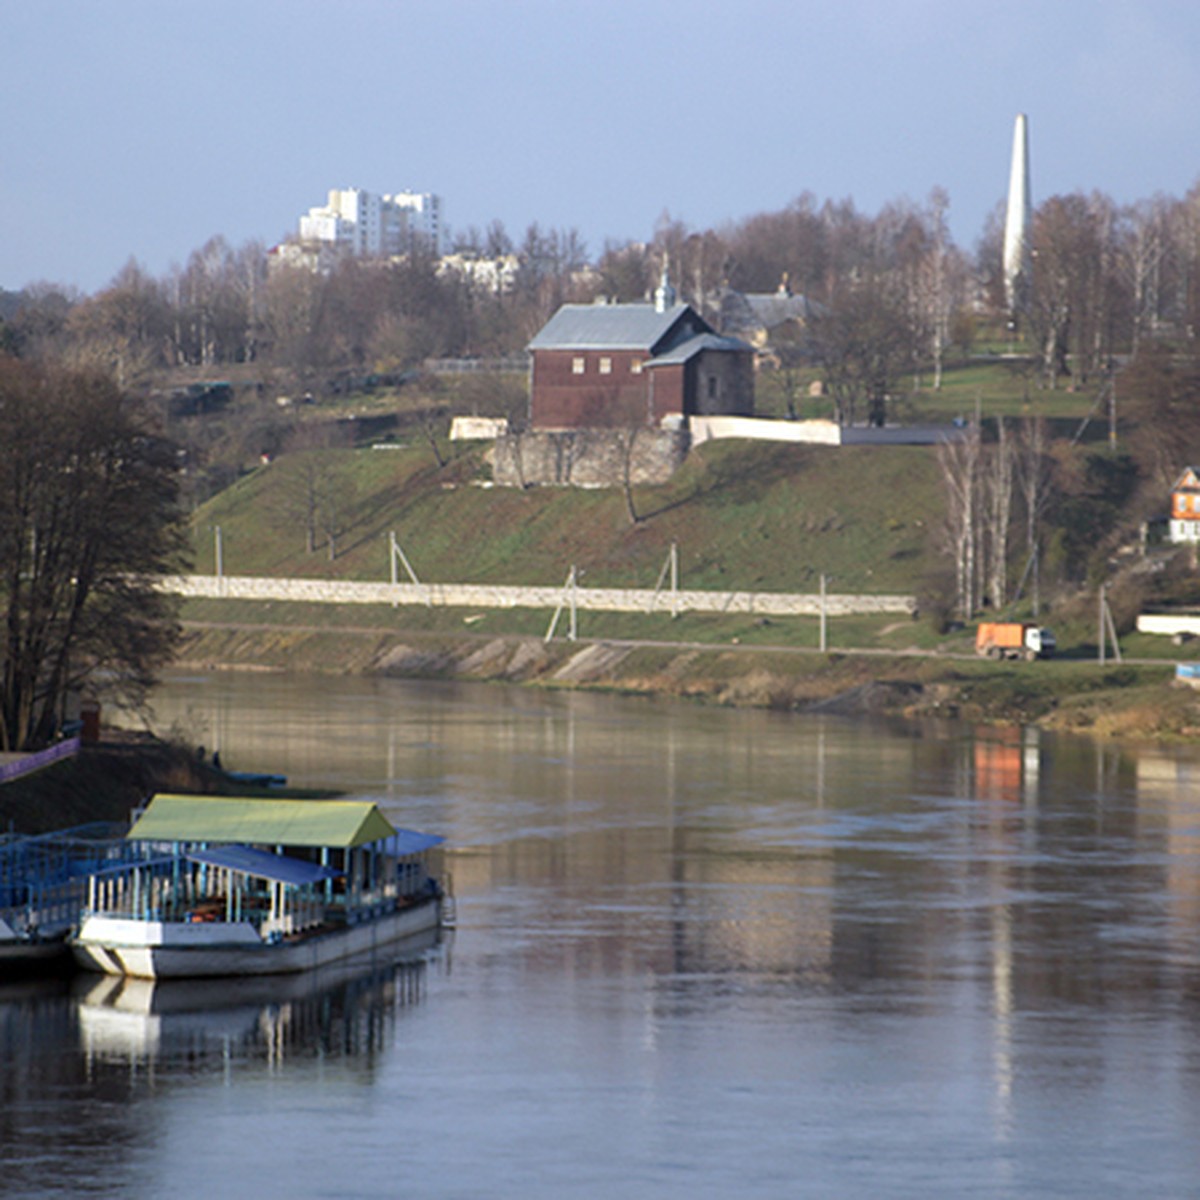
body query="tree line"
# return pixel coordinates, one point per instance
(892, 294)
(89, 489)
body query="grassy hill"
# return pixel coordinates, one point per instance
(747, 516)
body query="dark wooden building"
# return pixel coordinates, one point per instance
(611, 365)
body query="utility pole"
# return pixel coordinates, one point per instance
(219, 557)
(1108, 628)
(396, 554)
(823, 640)
(669, 568)
(569, 599)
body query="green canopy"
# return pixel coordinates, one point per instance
(340, 823)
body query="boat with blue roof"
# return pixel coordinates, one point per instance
(231, 886)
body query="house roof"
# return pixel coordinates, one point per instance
(693, 346)
(610, 327)
(763, 311)
(225, 819)
(1189, 481)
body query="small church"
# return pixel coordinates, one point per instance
(605, 366)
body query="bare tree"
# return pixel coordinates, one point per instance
(88, 520)
(861, 343)
(959, 460)
(997, 481)
(1032, 470)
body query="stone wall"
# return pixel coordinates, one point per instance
(460, 595)
(588, 457)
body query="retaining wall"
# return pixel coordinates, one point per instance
(823, 433)
(588, 457)
(462, 595)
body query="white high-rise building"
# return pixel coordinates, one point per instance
(423, 213)
(362, 223)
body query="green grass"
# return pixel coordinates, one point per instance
(1001, 387)
(765, 517)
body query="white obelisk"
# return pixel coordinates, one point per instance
(1017, 223)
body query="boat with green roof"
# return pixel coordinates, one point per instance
(234, 886)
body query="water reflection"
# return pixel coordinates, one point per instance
(702, 951)
(348, 1009)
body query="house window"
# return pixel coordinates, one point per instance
(635, 366)
(712, 387)
(577, 365)
(606, 366)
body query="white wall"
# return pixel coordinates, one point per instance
(465, 595)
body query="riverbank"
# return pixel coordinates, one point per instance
(105, 781)
(1134, 701)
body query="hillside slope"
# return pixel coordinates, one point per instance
(743, 515)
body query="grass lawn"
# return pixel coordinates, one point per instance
(755, 517)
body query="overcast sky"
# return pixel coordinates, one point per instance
(140, 128)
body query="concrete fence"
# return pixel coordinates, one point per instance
(464, 595)
(817, 432)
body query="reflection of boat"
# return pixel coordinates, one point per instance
(126, 1017)
(257, 887)
(22, 949)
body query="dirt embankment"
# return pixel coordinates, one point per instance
(104, 782)
(107, 781)
(1119, 702)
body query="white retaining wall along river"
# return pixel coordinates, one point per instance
(465, 595)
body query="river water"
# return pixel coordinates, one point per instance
(699, 953)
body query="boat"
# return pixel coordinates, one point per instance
(27, 950)
(233, 886)
(123, 1017)
(43, 884)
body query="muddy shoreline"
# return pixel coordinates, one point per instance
(1140, 703)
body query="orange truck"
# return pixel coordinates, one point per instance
(1013, 639)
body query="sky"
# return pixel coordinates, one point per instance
(139, 129)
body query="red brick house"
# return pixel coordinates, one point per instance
(609, 365)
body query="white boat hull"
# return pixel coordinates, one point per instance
(178, 950)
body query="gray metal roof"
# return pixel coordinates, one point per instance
(693, 346)
(608, 327)
(774, 308)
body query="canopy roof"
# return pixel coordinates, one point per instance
(409, 841)
(340, 823)
(264, 865)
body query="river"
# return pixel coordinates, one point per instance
(699, 953)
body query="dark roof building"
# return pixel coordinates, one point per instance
(756, 316)
(608, 365)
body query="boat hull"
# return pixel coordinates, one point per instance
(175, 950)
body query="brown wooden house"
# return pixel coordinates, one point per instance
(613, 365)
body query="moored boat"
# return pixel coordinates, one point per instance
(239, 886)
(43, 883)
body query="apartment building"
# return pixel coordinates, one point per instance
(366, 224)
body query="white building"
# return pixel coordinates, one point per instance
(496, 275)
(362, 223)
